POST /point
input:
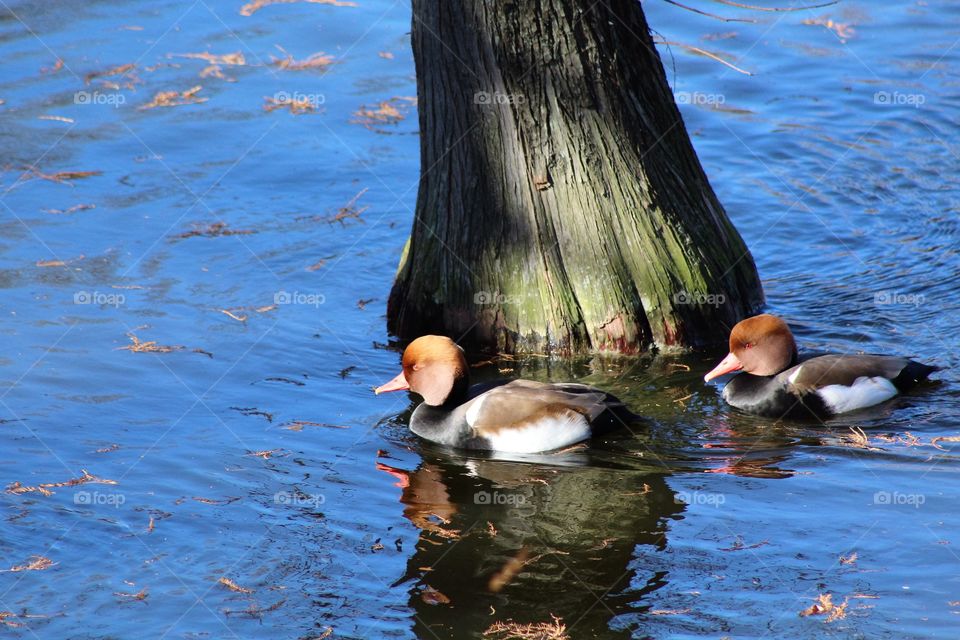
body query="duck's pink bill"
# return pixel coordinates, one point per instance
(397, 384)
(728, 364)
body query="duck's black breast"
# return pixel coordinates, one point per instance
(768, 396)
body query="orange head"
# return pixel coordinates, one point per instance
(761, 345)
(433, 367)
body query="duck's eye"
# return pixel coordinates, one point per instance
(749, 345)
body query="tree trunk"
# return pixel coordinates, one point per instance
(561, 204)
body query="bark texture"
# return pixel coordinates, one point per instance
(561, 205)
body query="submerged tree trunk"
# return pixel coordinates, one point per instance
(561, 204)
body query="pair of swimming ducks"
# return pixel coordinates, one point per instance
(522, 416)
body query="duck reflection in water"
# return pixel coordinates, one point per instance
(503, 540)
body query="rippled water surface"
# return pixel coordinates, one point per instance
(190, 445)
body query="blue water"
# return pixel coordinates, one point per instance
(251, 448)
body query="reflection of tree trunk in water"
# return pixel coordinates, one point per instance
(561, 204)
(580, 527)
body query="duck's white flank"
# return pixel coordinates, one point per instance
(796, 374)
(545, 434)
(864, 392)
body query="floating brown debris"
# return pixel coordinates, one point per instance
(298, 425)
(73, 209)
(235, 58)
(57, 66)
(253, 411)
(175, 98)
(36, 563)
(936, 439)
(850, 559)
(668, 612)
(151, 525)
(266, 454)
(363, 302)
(555, 630)
(214, 68)
(227, 500)
(296, 383)
(58, 263)
(391, 111)
(433, 597)
(298, 105)
(233, 586)
(44, 489)
(703, 52)
(254, 611)
(843, 31)
(346, 371)
(123, 69)
(63, 177)
(319, 264)
(348, 211)
(230, 314)
(139, 595)
(252, 7)
(214, 230)
(738, 545)
(509, 571)
(112, 447)
(150, 346)
(824, 606)
(318, 60)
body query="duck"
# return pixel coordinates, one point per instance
(508, 416)
(775, 383)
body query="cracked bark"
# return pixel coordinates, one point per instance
(561, 205)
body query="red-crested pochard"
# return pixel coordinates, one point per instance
(775, 383)
(511, 416)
